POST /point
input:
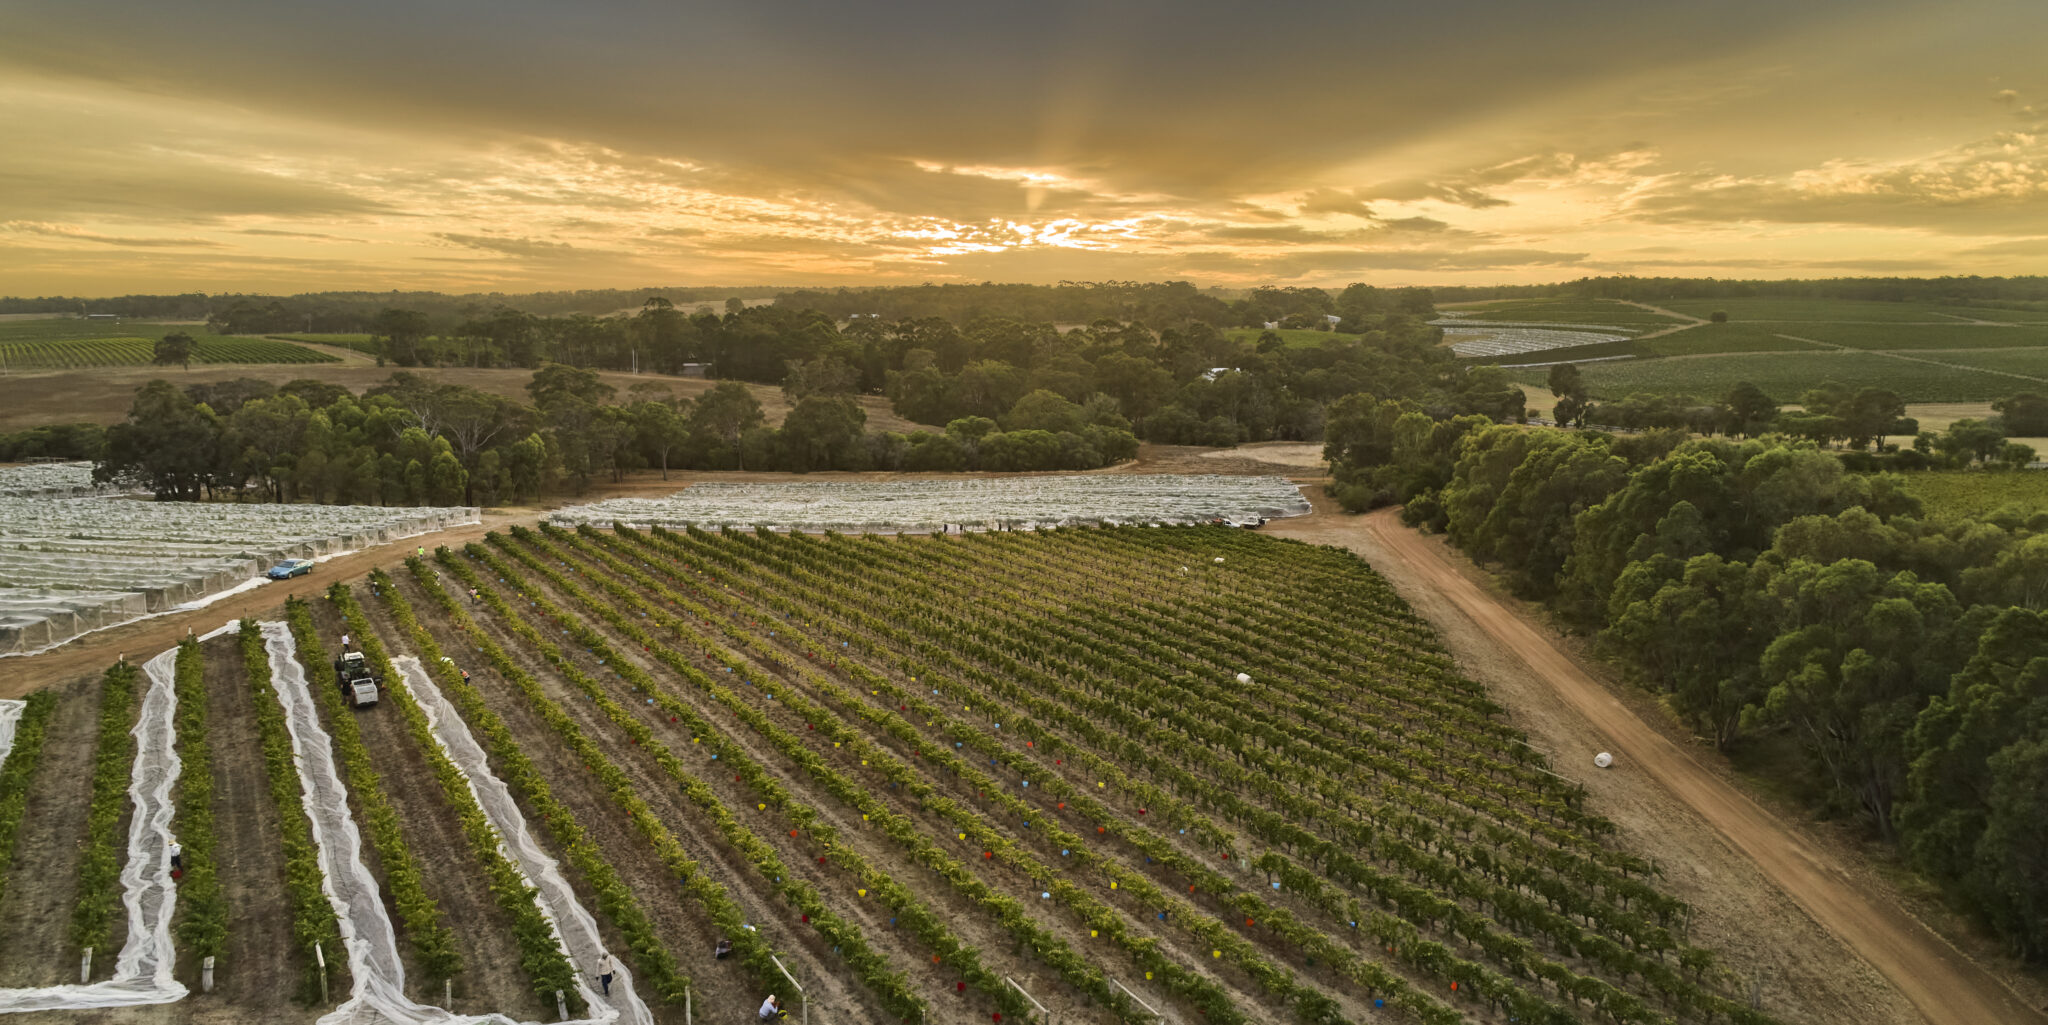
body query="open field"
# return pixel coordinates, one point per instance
(1818, 310)
(1785, 375)
(2030, 363)
(1707, 339)
(54, 329)
(1908, 336)
(1974, 493)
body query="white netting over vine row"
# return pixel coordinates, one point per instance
(71, 566)
(10, 717)
(51, 480)
(575, 930)
(1475, 339)
(143, 971)
(377, 975)
(966, 503)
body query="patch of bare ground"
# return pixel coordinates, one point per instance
(42, 882)
(1810, 950)
(491, 978)
(255, 970)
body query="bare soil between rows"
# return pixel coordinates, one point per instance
(42, 882)
(257, 970)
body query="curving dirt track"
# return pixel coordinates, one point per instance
(1939, 983)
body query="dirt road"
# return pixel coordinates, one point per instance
(1943, 986)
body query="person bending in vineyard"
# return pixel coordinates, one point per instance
(771, 1009)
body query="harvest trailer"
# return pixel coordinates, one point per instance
(358, 684)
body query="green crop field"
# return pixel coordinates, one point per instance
(1973, 493)
(1818, 310)
(83, 353)
(59, 328)
(2006, 316)
(1733, 337)
(1349, 822)
(1910, 336)
(2030, 363)
(1784, 375)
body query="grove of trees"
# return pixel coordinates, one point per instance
(1777, 598)
(411, 441)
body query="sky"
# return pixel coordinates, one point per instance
(516, 145)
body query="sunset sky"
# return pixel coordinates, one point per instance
(253, 145)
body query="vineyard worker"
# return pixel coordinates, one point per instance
(771, 1009)
(177, 855)
(344, 642)
(604, 972)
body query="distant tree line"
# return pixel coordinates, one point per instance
(352, 312)
(54, 441)
(1156, 304)
(1961, 290)
(1188, 384)
(1862, 418)
(411, 441)
(1775, 596)
(1181, 381)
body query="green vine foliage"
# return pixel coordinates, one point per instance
(99, 867)
(18, 773)
(418, 912)
(654, 964)
(540, 951)
(313, 919)
(202, 924)
(1354, 824)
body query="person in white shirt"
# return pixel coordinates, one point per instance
(604, 972)
(771, 1008)
(177, 855)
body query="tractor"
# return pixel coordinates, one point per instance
(357, 682)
